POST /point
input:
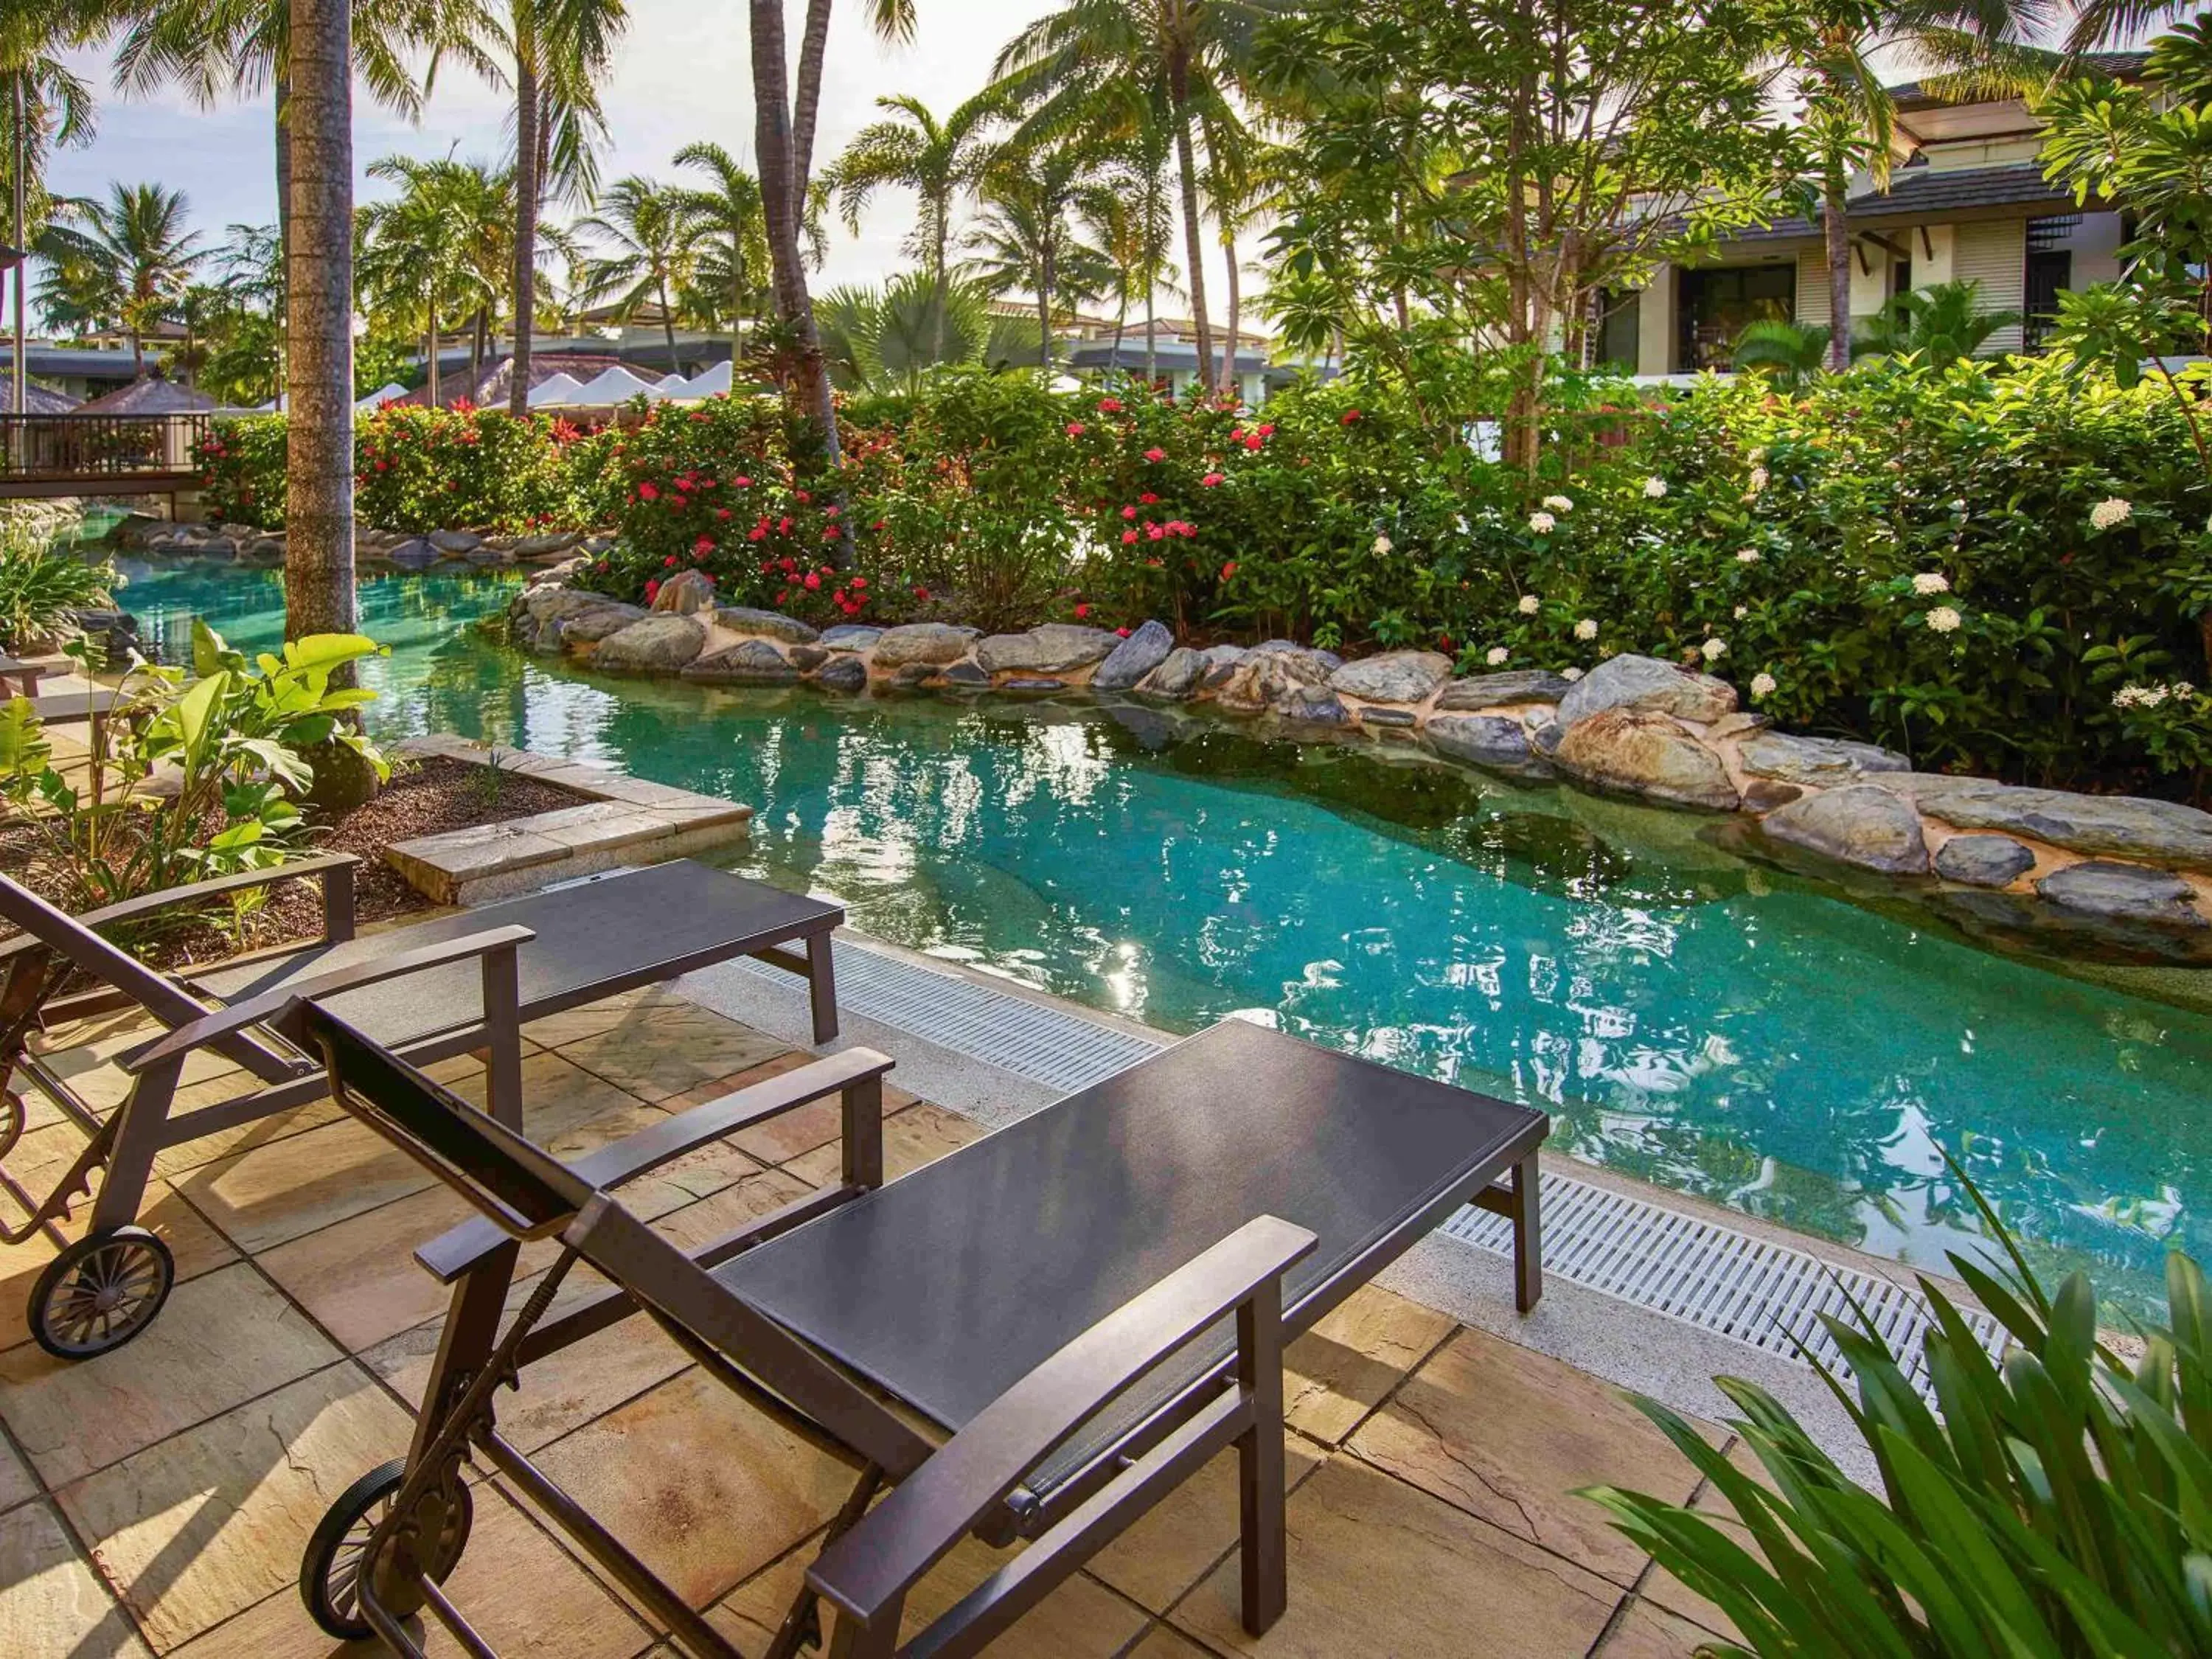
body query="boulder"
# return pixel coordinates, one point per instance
(1394, 676)
(1495, 691)
(556, 573)
(1764, 794)
(1650, 685)
(744, 619)
(851, 636)
(1736, 725)
(1820, 761)
(1983, 860)
(1312, 705)
(489, 555)
(2156, 831)
(808, 658)
(1268, 647)
(455, 542)
(1387, 718)
(966, 673)
(1261, 679)
(1642, 752)
(590, 626)
(1026, 685)
(752, 662)
(1480, 739)
(846, 673)
(657, 645)
(686, 593)
(2125, 893)
(1221, 661)
(414, 555)
(1176, 677)
(544, 604)
(1858, 824)
(1544, 737)
(922, 642)
(216, 547)
(1054, 648)
(911, 676)
(1135, 657)
(545, 547)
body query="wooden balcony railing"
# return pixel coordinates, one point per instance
(62, 448)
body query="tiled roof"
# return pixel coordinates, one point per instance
(1929, 192)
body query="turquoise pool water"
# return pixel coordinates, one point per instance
(1689, 1018)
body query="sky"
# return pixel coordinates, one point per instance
(683, 72)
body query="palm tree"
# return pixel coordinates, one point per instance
(561, 50)
(1129, 220)
(891, 339)
(47, 107)
(1940, 324)
(1237, 192)
(1110, 66)
(1024, 243)
(123, 261)
(731, 216)
(419, 252)
(914, 150)
(653, 253)
(1786, 352)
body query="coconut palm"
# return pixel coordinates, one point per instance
(1108, 67)
(1130, 220)
(46, 106)
(1940, 324)
(123, 262)
(938, 161)
(1025, 241)
(730, 215)
(561, 50)
(423, 256)
(653, 256)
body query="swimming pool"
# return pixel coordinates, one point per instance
(1689, 1018)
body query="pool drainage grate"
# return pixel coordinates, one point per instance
(1713, 1277)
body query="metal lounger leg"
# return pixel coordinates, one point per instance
(821, 988)
(140, 1135)
(502, 1013)
(1528, 1235)
(1264, 1542)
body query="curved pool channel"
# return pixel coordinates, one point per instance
(1689, 1018)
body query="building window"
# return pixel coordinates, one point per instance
(2050, 273)
(1715, 305)
(1618, 339)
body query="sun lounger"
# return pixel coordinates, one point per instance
(1036, 1337)
(455, 985)
(19, 677)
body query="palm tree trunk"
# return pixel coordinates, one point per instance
(437, 398)
(318, 583)
(1151, 337)
(1194, 241)
(525, 206)
(781, 191)
(806, 101)
(1230, 382)
(1836, 228)
(16, 372)
(282, 100)
(668, 325)
(137, 356)
(476, 351)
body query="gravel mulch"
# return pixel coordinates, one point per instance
(428, 797)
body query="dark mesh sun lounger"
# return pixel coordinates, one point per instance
(1087, 1306)
(429, 991)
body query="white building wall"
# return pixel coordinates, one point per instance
(2095, 244)
(1994, 252)
(1654, 325)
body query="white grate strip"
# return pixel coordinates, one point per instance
(1710, 1276)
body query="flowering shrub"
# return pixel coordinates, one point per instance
(241, 466)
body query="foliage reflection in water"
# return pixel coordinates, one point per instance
(1691, 1018)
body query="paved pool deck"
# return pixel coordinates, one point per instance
(155, 1499)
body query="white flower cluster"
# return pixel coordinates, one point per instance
(1763, 685)
(2109, 512)
(1382, 544)
(1758, 477)
(1496, 656)
(1747, 555)
(1928, 584)
(1543, 523)
(1741, 611)
(2150, 696)
(1559, 503)
(1586, 628)
(1570, 675)
(1713, 650)
(1944, 620)
(1653, 488)
(1529, 604)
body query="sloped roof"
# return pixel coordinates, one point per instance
(1925, 192)
(42, 399)
(152, 396)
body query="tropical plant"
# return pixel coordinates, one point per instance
(415, 265)
(1025, 241)
(123, 262)
(890, 340)
(45, 105)
(234, 738)
(727, 276)
(651, 256)
(2054, 1503)
(1785, 352)
(1940, 324)
(43, 584)
(1128, 220)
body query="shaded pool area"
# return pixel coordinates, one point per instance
(1690, 1018)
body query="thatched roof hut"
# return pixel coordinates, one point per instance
(154, 395)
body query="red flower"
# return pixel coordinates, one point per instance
(784, 525)
(833, 510)
(1149, 499)
(1155, 531)
(1212, 479)
(1109, 405)
(813, 581)
(1076, 428)
(1122, 632)
(1265, 431)
(1228, 570)
(757, 533)
(802, 495)
(653, 590)
(1254, 442)
(790, 567)
(647, 492)
(921, 593)
(743, 483)
(381, 465)
(698, 414)
(1127, 537)
(1129, 512)
(782, 594)
(860, 581)
(1082, 611)
(705, 544)
(670, 562)
(721, 512)
(1350, 415)
(1155, 455)
(829, 533)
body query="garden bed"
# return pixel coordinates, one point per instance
(432, 796)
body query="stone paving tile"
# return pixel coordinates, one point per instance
(1645, 1632)
(17, 1484)
(358, 1277)
(703, 1487)
(1340, 1370)
(1165, 1642)
(597, 1018)
(197, 1247)
(919, 1135)
(1177, 1542)
(521, 1592)
(279, 1192)
(1380, 1567)
(1508, 1435)
(223, 1338)
(226, 1143)
(671, 1049)
(205, 1524)
(51, 1601)
(84, 1054)
(1079, 1620)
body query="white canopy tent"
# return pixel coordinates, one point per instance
(554, 391)
(672, 387)
(383, 394)
(708, 382)
(613, 385)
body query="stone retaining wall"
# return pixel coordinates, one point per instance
(2112, 877)
(386, 550)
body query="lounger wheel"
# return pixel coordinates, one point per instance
(100, 1292)
(11, 1121)
(330, 1571)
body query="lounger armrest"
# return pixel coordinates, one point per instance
(867, 1571)
(259, 1009)
(335, 871)
(453, 1253)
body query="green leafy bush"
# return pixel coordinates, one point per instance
(241, 465)
(2056, 1505)
(235, 735)
(43, 583)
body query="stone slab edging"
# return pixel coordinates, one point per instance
(373, 548)
(2102, 877)
(621, 820)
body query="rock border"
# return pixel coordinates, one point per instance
(1996, 858)
(373, 548)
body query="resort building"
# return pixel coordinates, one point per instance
(1966, 200)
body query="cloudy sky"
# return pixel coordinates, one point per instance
(682, 73)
